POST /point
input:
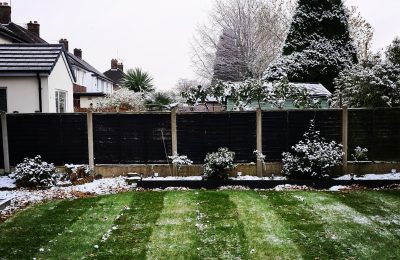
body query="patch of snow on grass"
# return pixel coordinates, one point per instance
(23, 197)
(338, 188)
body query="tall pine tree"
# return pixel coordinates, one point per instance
(228, 62)
(318, 46)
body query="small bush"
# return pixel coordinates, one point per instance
(179, 161)
(34, 173)
(217, 165)
(360, 154)
(313, 157)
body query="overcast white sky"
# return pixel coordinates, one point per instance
(154, 34)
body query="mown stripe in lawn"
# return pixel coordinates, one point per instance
(80, 238)
(267, 234)
(306, 229)
(174, 235)
(382, 207)
(220, 230)
(135, 225)
(357, 234)
(22, 236)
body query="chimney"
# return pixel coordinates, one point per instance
(120, 66)
(114, 64)
(5, 13)
(65, 43)
(34, 28)
(78, 53)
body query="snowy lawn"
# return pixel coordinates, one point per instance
(209, 224)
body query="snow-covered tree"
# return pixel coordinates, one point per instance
(259, 27)
(229, 64)
(318, 46)
(393, 52)
(376, 85)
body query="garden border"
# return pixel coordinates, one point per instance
(262, 184)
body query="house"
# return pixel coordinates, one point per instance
(35, 78)
(316, 90)
(116, 73)
(88, 85)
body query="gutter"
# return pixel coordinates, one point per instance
(40, 92)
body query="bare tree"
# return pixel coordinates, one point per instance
(259, 27)
(362, 34)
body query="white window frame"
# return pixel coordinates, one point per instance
(58, 107)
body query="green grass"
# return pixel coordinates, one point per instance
(209, 225)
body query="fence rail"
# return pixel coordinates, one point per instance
(147, 138)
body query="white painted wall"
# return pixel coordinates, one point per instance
(86, 101)
(22, 94)
(59, 79)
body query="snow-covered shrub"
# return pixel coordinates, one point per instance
(259, 155)
(33, 173)
(360, 154)
(313, 157)
(75, 172)
(217, 165)
(122, 99)
(179, 161)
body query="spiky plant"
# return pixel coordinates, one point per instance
(138, 80)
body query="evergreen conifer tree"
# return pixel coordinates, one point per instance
(318, 46)
(228, 65)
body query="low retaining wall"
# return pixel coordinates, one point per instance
(270, 169)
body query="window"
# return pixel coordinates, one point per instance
(3, 99)
(61, 101)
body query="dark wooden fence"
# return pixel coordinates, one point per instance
(131, 138)
(147, 138)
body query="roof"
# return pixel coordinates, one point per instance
(75, 61)
(19, 34)
(315, 89)
(29, 58)
(115, 75)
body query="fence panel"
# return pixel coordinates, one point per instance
(201, 133)
(58, 138)
(378, 131)
(131, 138)
(283, 129)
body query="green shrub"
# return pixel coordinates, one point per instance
(312, 158)
(217, 165)
(34, 173)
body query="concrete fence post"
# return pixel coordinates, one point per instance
(4, 135)
(90, 140)
(259, 141)
(345, 134)
(174, 137)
